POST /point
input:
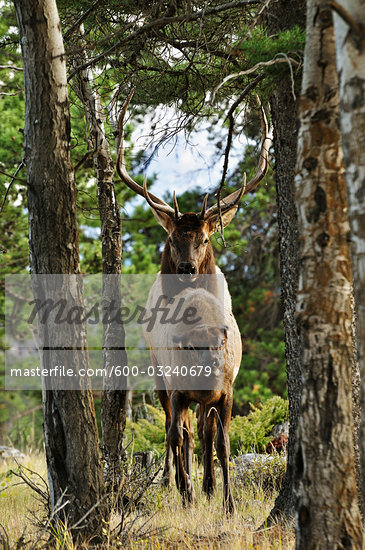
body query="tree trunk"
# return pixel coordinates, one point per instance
(349, 21)
(328, 515)
(283, 15)
(113, 405)
(74, 468)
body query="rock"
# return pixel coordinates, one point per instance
(262, 470)
(245, 462)
(10, 452)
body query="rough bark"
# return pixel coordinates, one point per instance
(282, 15)
(74, 468)
(113, 406)
(349, 20)
(328, 514)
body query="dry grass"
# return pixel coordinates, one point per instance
(18, 503)
(164, 523)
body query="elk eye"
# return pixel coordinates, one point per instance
(206, 241)
(170, 241)
(223, 342)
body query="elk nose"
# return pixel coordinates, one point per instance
(186, 268)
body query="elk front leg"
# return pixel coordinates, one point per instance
(188, 447)
(166, 405)
(223, 448)
(176, 438)
(209, 431)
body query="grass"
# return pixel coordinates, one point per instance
(18, 503)
(163, 523)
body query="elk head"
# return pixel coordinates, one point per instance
(188, 251)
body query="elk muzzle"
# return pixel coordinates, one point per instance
(186, 268)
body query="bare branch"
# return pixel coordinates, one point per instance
(357, 28)
(276, 60)
(230, 118)
(11, 94)
(12, 67)
(13, 178)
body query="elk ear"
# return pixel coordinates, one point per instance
(227, 217)
(164, 220)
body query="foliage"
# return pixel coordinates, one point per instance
(252, 433)
(147, 433)
(21, 419)
(262, 373)
(260, 46)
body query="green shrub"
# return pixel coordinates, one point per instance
(146, 434)
(252, 433)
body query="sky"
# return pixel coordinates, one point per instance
(181, 166)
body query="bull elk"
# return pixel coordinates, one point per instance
(188, 254)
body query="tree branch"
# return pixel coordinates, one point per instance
(273, 61)
(13, 178)
(76, 26)
(230, 117)
(11, 67)
(158, 24)
(347, 17)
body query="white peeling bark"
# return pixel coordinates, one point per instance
(349, 22)
(328, 515)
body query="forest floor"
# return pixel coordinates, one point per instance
(161, 522)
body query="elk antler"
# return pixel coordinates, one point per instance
(174, 214)
(226, 204)
(176, 206)
(124, 176)
(232, 200)
(204, 207)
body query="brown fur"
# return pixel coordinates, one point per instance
(215, 403)
(187, 242)
(187, 225)
(186, 229)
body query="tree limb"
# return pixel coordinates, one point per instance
(347, 17)
(273, 61)
(13, 178)
(81, 19)
(158, 24)
(230, 117)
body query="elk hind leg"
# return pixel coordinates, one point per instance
(176, 439)
(188, 448)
